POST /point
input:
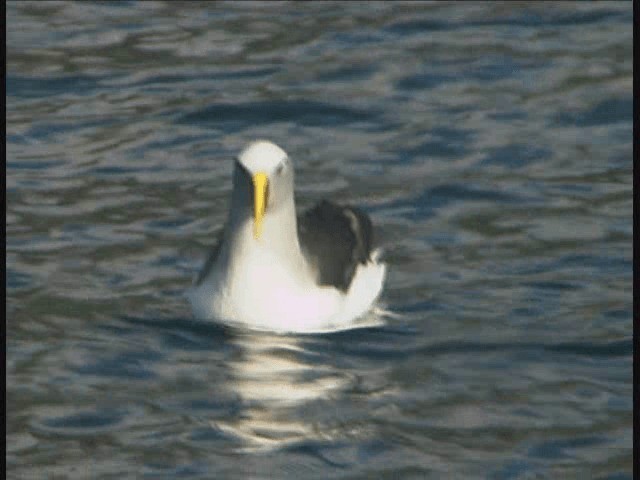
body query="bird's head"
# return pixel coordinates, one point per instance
(268, 170)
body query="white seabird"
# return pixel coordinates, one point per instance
(271, 270)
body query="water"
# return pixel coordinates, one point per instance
(492, 145)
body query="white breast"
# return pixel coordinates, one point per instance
(262, 293)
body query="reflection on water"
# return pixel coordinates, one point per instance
(273, 375)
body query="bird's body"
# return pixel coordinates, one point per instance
(274, 271)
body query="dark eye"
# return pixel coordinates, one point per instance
(280, 168)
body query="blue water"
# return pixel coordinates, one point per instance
(491, 143)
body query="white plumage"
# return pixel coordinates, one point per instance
(259, 276)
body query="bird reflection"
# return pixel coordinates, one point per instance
(274, 376)
(281, 381)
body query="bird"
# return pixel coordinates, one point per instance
(272, 269)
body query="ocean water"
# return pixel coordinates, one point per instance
(491, 144)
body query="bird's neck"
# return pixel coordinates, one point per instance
(279, 236)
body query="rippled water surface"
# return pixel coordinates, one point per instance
(491, 143)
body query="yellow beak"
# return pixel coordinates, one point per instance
(260, 193)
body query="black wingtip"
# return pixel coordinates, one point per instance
(335, 239)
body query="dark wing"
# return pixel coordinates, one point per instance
(335, 239)
(210, 260)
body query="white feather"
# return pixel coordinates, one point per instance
(266, 284)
